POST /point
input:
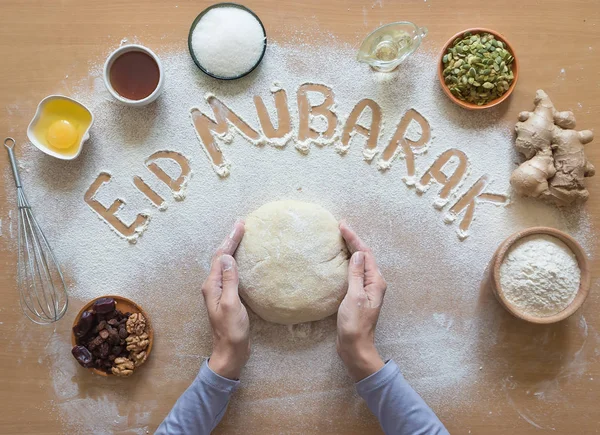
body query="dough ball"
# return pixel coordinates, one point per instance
(293, 262)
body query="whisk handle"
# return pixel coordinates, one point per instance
(9, 143)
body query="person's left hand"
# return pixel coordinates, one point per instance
(228, 316)
(359, 311)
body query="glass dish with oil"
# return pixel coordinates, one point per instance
(60, 127)
(389, 45)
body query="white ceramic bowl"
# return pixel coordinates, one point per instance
(40, 145)
(125, 49)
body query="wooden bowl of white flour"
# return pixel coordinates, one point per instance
(541, 275)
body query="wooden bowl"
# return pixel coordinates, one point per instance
(515, 70)
(124, 305)
(584, 267)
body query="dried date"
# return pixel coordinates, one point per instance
(84, 325)
(82, 355)
(104, 306)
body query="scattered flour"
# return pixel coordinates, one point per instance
(432, 322)
(540, 275)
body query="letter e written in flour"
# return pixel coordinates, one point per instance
(109, 213)
(370, 133)
(306, 110)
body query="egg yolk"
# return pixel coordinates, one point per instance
(62, 134)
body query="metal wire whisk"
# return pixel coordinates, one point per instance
(42, 290)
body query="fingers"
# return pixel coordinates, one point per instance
(352, 240)
(212, 287)
(230, 280)
(372, 273)
(373, 281)
(228, 246)
(221, 287)
(375, 285)
(356, 273)
(232, 241)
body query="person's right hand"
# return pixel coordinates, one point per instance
(228, 316)
(359, 311)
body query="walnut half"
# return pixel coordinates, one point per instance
(136, 324)
(138, 358)
(137, 343)
(122, 367)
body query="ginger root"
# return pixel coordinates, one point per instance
(556, 164)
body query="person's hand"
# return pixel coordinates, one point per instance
(359, 311)
(228, 316)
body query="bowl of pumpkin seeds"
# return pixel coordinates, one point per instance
(478, 68)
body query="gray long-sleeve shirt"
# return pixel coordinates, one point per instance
(399, 409)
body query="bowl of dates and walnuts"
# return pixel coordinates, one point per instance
(112, 335)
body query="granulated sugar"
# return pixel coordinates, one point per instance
(228, 41)
(431, 323)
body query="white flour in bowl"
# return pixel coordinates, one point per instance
(540, 275)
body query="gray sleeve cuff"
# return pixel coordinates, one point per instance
(206, 375)
(377, 379)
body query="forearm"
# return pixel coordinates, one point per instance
(399, 409)
(201, 407)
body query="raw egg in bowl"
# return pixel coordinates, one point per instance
(60, 127)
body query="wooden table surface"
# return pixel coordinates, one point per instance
(46, 45)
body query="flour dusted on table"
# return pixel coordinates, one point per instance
(431, 322)
(540, 275)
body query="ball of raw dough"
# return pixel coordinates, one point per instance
(293, 262)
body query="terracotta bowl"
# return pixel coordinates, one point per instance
(515, 69)
(584, 285)
(124, 305)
